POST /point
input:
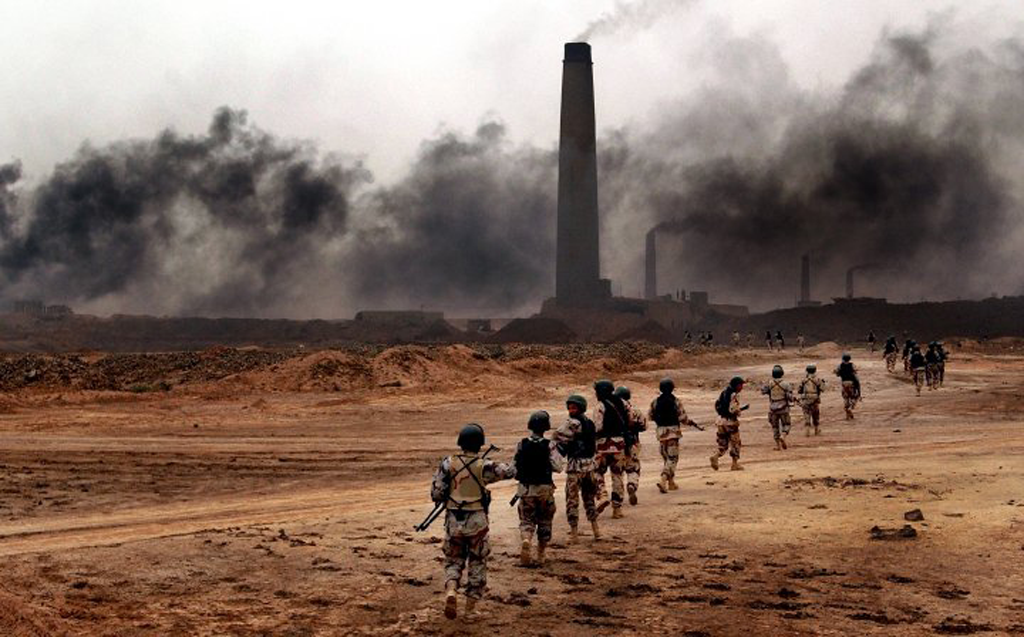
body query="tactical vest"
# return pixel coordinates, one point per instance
(584, 443)
(533, 462)
(916, 360)
(467, 492)
(614, 424)
(846, 372)
(776, 392)
(666, 411)
(811, 390)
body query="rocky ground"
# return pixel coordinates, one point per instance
(277, 495)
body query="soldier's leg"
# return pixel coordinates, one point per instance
(816, 415)
(722, 441)
(527, 526)
(476, 568)
(734, 448)
(671, 462)
(633, 473)
(456, 552)
(615, 467)
(773, 420)
(600, 469)
(588, 488)
(784, 427)
(572, 500)
(545, 516)
(808, 419)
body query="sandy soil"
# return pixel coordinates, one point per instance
(230, 509)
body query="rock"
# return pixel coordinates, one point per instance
(913, 516)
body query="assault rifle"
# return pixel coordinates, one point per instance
(440, 506)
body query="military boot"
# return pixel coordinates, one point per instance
(574, 535)
(524, 553)
(663, 484)
(782, 441)
(617, 512)
(593, 526)
(470, 606)
(672, 486)
(736, 466)
(450, 601)
(778, 444)
(541, 547)
(632, 494)
(714, 462)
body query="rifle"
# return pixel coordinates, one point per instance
(440, 506)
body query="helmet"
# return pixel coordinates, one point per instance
(604, 388)
(666, 385)
(623, 392)
(736, 381)
(577, 400)
(811, 369)
(471, 438)
(539, 422)
(846, 358)
(777, 371)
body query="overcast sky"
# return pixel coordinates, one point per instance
(373, 79)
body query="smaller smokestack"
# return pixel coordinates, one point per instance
(805, 279)
(651, 266)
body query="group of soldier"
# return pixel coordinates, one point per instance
(588, 449)
(925, 369)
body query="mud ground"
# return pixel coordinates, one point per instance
(228, 509)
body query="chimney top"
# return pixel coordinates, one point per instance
(577, 52)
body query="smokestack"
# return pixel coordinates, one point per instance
(805, 279)
(651, 266)
(578, 266)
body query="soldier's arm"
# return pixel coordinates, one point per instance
(440, 486)
(494, 471)
(640, 420)
(566, 432)
(557, 459)
(650, 412)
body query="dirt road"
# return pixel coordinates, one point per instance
(280, 513)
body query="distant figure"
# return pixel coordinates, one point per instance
(889, 353)
(710, 339)
(736, 339)
(931, 361)
(728, 438)
(908, 347)
(871, 341)
(781, 341)
(750, 340)
(780, 396)
(847, 374)
(688, 337)
(800, 342)
(943, 355)
(918, 368)
(769, 341)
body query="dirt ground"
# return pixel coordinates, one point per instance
(237, 507)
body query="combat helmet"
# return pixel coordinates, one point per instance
(623, 392)
(777, 371)
(471, 437)
(540, 421)
(666, 385)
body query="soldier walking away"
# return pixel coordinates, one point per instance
(769, 341)
(460, 482)
(736, 338)
(890, 353)
(537, 458)
(781, 341)
(576, 440)
(800, 342)
(750, 340)
(612, 422)
(943, 355)
(668, 414)
(728, 437)
(918, 367)
(908, 347)
(932, 360)
(780, 396)
(810, 399)
(847, 374)
(871, 340)
(637, 424)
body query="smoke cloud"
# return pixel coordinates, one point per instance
(631, 16)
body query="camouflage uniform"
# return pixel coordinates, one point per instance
(810, 401)
(631, 467)
(800, 342)
(932, 368)
(780, 395)
(668, 439)
(851, 391)
(537, 501)
(890, 354)
(580, 475)
(728, 436)
(460, 481)
(917, 370)
(750, 339)
(611, 457)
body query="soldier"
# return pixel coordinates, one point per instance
(908, 347)
(728, 409)
(750, 340)
(612, 422)
(780, 396)
(890, 352)
(576, 440)
(781, 341)
(810, 399)
(800, 342)
(847, 373)
(918, 367)
(871, 340)
(943, 355)
(931, 361)
(668, 414)
(536, 459)
(637, 424)
(769, 341)
(460, 482)
(736, 338)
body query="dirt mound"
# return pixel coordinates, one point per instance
(534, 330)
(19, 619)
(825, 349)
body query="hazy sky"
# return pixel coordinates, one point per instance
(373, 79)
